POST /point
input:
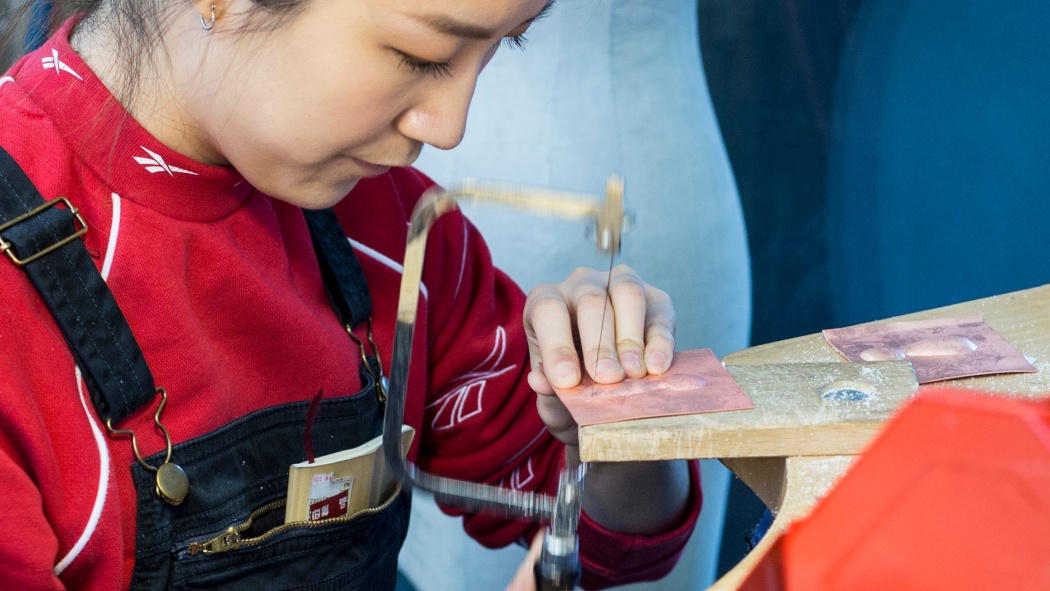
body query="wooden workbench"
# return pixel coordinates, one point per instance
(797, 440)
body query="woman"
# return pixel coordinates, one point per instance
(189, 136)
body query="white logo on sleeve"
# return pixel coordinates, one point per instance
(156, 163)
(4, 80)
(58, 65)
(520, 477)
(464, 400)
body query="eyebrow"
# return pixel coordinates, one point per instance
(450, 26)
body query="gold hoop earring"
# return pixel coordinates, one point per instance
(207, 25)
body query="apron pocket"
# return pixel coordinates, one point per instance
(357, 551)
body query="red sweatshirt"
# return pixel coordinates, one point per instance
(221, 288)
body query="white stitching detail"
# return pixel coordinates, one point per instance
(463, 260)
(382, 258)
(111, 246)
(103, 480)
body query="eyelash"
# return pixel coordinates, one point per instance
(435, 69)
(515, 42)
(444, 69)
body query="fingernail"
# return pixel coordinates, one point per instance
(606, 366)
(564, 374)
(657, 361)
(630, 360)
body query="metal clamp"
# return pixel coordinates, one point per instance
(8, 248)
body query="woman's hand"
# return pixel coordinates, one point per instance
(636, 323)
(563, 321)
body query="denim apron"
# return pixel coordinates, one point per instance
(229, 531)
(230, 534)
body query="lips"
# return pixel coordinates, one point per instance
(370, 169)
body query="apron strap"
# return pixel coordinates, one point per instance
(344, 280)
(42, 238)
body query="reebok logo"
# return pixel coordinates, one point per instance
(58, 65)
(155, 163)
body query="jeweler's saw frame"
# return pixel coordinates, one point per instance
(562, 511)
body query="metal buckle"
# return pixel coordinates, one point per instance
(172, 484)
(8, 249)
(381, 381)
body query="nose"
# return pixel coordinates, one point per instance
(439, 116)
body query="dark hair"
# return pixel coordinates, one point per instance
(12, 32)
(139, 24)
(24, 24)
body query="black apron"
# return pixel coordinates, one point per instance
(242, 469)
(229, 532)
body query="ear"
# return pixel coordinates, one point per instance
(209, 9)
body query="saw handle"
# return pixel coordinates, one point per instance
(556, 572)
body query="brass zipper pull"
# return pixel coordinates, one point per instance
(230, 539)
(227, 540)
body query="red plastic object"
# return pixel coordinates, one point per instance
(954, 494)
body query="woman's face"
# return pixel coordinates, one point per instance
(342, 90)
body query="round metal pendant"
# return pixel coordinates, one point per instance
(172, 483)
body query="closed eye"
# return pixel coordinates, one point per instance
(519, 41)
(421, 66)
(515, 42)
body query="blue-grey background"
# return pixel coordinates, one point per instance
(890, 155)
